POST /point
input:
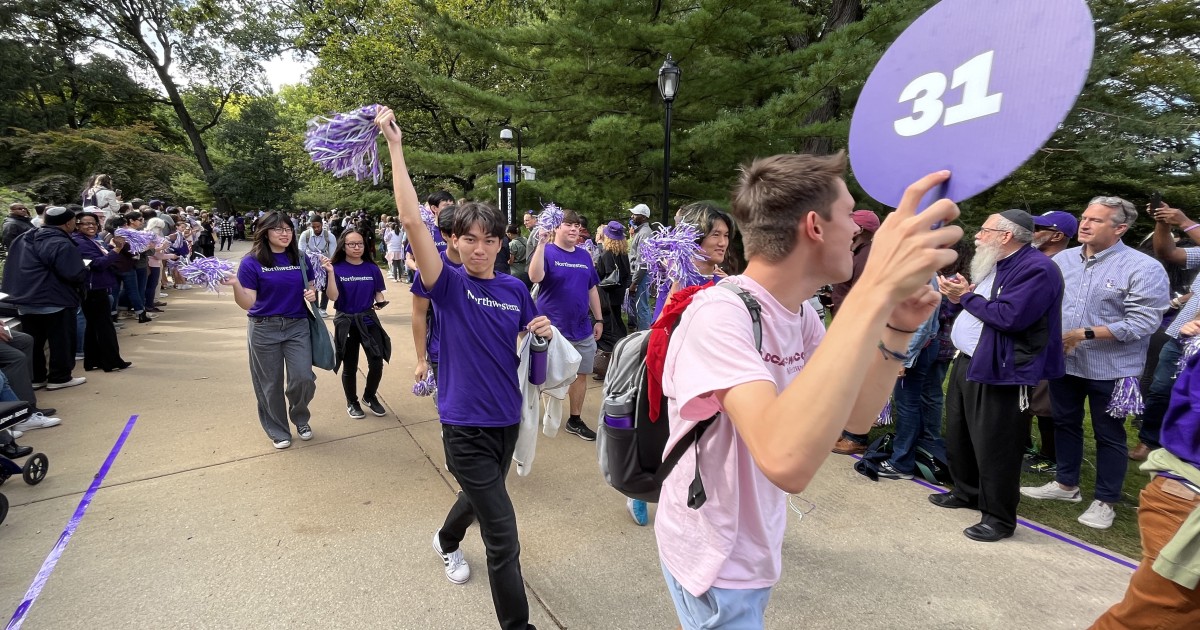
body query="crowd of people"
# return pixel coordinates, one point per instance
(1026, 326)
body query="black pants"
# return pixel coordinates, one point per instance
(226, 241)
(100, 347)
(16, 361)
(985, 443)
(350, 368)
(479, 458)
(611, 299)
(56, 330)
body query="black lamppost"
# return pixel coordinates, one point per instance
(668, 83)
(508, 178)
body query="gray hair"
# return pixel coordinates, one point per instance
(1019, 234)
(1126, 214)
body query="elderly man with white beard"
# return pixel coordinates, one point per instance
(1008, 338)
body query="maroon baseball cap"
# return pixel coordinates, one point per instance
(866, 220)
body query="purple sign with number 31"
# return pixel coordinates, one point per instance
(973, 86)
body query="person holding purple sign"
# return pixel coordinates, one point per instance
(480, 389)
(568, 295)
(360, 291)
(270, 286)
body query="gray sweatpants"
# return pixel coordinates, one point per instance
(276, 342)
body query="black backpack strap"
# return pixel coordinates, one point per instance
(696, 494)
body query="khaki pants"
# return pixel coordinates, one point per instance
(1151, 600)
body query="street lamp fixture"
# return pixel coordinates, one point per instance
(668, 84)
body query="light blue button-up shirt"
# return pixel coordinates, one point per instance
(1120, 288)
(1192, 306)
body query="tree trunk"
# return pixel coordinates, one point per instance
(841, 13)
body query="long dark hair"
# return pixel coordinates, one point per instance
(261, 251)
(339, 253)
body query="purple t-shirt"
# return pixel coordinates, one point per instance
(433, 338)
(357, 286)
(477, 381)
(280, 289)
(437, 240)
(1181, 424)
(564, 292)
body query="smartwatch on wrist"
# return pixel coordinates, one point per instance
(1088, 333)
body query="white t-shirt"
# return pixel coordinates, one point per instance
(735, 539)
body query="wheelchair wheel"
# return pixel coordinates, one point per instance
(3, 507)
(35, 469)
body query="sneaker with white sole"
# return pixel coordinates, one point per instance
(281, 444)
(15, 433)
(637, 509)
(1099, 515)
(1051, 491)
(374, 406)
(305, 432)
(78, 380)
(457, 570)
(888, 471)
(37, 421)
(355, 411)
(41, 385)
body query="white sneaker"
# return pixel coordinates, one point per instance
(281, 444)
(36, 421)
(15, 433)
(78, 380)
(163, 295)
(1099, 515)
(457, 570)
(1051, 491)
(183, 287)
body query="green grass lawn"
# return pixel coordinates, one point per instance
(1122, 537)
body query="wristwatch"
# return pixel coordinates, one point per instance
(1088, 333)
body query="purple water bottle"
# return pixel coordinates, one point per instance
(537, 359)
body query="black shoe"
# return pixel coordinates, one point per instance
(948, 500)
(985, 533)
(13, 451)
(48, 411)
(144, 318)
(374, 406)
(577, 427)
(888, 471)
(354, 411)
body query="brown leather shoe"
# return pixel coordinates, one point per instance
(1140, 452)
(846, 446)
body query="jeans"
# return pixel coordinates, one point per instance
(1067, 395)
(80, 327)
(479, 458)
(918, 410)
(275, 342)
(1151, 600)
(153, 275)
(16, 362)
(642, 303)
(133, 289)
(1158, 395)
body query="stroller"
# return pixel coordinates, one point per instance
(35, 467)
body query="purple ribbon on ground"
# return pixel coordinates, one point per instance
(43, 575)
(345, 144)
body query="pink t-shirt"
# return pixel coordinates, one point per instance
(735, 539)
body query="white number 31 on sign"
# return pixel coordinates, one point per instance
(926, 94)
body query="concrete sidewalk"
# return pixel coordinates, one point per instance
(202, 524)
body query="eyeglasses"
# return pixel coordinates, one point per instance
(354, 245)
(281, 229)
(987, 229)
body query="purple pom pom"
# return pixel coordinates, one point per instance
(136, 240)
(885, 416)
(345, 144)
(550, 218)
(1127, 398)
(207, 272)
(318, 277)
(670, 256)
(426, 387)
(1191, 347)
(629, 306)
(588, 246)
(429, 219)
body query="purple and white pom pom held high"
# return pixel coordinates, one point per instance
(670, 256)
(550, 217)
(345, 144)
